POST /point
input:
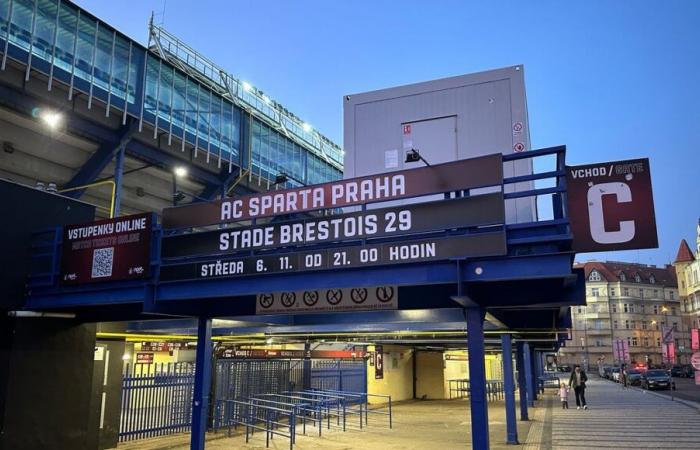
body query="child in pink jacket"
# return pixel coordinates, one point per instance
(564, 395)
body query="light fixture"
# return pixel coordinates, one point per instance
(126, 357)
(269, 341)
(664, 309)
(247, 87)
(52, 119)
(180, 171)
(281, 178)
(306, 127)
(414, 155)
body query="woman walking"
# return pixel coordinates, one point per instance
(578, 382)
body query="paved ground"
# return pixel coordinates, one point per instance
(418, 425)
(619, 419)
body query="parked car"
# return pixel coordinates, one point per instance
(564, 368)
(634, 377)
(607, 372)
(656, 379)
(684, 371)
(615, 374)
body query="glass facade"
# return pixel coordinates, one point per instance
(69, 45)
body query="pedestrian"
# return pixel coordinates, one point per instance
(564, 395)
(578, 382)
(623, 376)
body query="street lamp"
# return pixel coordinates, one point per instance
(178, 172)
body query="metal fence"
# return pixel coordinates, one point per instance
(339, 375)
(156, 400)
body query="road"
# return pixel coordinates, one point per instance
(686, 389)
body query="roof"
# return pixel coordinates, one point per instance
(612, 271)
(684, 253)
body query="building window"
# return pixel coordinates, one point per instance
(644, 324)
(623, 277)
(641, 293)
(652, 279)
(615, 324)
(578, 310)
(625, 308)
(637, 278)
(646, 342)
(614, 307)
(629, 341)
(673, 310)
(634, 341)
(612, 292)
(595, 292)
(632, 308)
(627, 324)
(598, 343)
(656, 309)
(634, 324)
(656, 293)
(675, 325)
(644, 309)
(626, 292)
(594, 276)
(658, 342)
(670, 295)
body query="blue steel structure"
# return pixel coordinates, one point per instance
(537, 270)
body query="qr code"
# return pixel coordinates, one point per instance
(102, 260)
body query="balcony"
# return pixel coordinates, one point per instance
(598, 332)
(597, 315)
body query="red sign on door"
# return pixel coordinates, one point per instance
(611, 207)
(378, 362)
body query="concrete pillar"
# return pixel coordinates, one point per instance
(509, 387)
(202, 384)
(477, 378)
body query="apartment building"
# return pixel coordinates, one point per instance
(626, 301)
(687, 266)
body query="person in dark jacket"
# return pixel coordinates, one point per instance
(577, 380)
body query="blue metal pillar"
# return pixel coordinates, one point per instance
(202, 384)
(477, 378)
(306, 381)
(522, 382)
(509, 387)
(528, 374)
(118, 173)
(535, 375)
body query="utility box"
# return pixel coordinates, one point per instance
(445, 120)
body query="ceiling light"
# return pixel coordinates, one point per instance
(52, 119)
(180, 171)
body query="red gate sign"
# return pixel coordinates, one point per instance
(694, 339)
(378, 362)
(144, 358)
(611, 206)
(107, 250)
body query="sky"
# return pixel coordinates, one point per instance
(610, 80)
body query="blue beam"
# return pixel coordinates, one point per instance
(100, 160)
(522, 381)
(477, 378)
(498, 269)
(211, 190)
(202, 384)
(509, 387)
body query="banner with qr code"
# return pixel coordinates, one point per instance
(107, 250)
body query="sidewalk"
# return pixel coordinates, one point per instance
(616, 418)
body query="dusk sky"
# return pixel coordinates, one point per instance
(610, 80)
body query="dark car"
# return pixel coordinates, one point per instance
(564, 368)
(634, 377)
(687, 371)
(656, 379)
(677, 371)
(607, 372)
